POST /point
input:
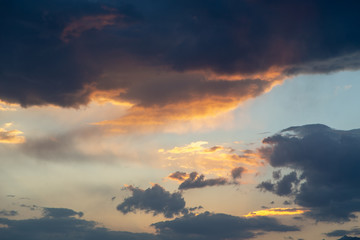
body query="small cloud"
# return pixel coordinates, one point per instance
(155, 199)
(60, 213)
(11, 136)
(277, 212)
(8, 213)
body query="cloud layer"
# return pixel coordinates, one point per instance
(214, 226)
(168, 57)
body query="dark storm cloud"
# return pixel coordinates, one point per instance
(199, 181)
(155, 199)
(328, 164)
(340, 232)
(58, 52)
(212, 226)
(60, 213)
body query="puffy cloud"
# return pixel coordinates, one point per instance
(218, 226)
(325, 164)
(161, 56)
(284, 187)
(155, 199)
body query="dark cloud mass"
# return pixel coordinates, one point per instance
(212, 226)
(204, 226)
(155, 199)
(59, 52)
(326, 170)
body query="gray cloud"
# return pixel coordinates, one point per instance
(327, 161)
(64, 227)
(181, 176)
(341, 232)
(284, 187)
(199, 181)
(203, 226)
(155, 199)
(237, 172)
(349, 238)
(8, 213)
(212, 226)
(60, 213)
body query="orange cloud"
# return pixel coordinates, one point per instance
(11, 136)
(77, 27)
(217, 160)
(277, 212)
(4, 106)
(209, 112)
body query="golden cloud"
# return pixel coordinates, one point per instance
(217, 160)
(11, 136)
(277, 212)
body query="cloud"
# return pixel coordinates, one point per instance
(237, 172)
(216, 226)
(339, 233)
(11, 136)
(349, 238)
(199, 181)
(62, 226)
(8, 213)
(72, 145)
(219, 160)
(77, 27)
(284, 187)
(161, 57)
(277, 212)
(179, 176)
(325, 169)
(60, 213)
(155, 199)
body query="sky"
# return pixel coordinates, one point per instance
(169, 120)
